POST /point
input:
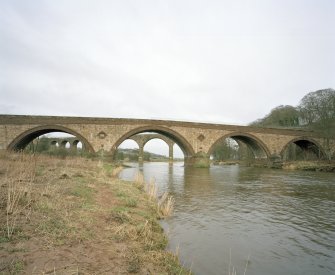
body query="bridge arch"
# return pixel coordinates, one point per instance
(258, 147)
(22, 140)
(146, 139)
(165, 140)
(184, 145)
(64, 143)
(306, 144)
(54, 143)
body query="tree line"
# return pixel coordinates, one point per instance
(316, 112)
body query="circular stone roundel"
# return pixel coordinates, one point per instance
(201, 137)
(102, 134)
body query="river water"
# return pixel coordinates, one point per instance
(269, 221)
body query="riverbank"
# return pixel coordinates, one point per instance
(319, 166)
(74, 216)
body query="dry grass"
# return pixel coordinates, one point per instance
(139, 180)
(151, 189)
(164, 204)
(167, 205)
(64, 211)
(116, 171)
(16, 189)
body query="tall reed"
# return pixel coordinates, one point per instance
(116, 171)
(165, 203)
(151, 189)
(139, 180)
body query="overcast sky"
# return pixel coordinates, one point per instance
(212, 61)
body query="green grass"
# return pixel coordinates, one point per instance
(13, 250)
(120, 214)
(4, 239)
(130, 202)
(81, 180)
(108, 169)
(44, 207)
(12, 268)
(85, 193)
(122, 194)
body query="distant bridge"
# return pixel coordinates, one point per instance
(196, 140)
(141, 140)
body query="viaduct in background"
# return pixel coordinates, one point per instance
(141, 140)
(196, 140)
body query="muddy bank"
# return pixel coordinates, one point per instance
(74, 216)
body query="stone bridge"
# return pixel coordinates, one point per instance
(196, 140)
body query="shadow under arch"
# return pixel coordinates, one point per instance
(22, 140)
(258, 147)
(184, 145)
(307, 144)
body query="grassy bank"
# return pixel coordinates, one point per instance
(74, 216)
(320, 166)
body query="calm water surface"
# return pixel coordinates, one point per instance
(283, 221)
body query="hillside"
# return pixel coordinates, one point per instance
(132, 155)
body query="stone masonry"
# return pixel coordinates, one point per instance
(196, 140)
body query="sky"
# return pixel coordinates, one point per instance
(227, 62)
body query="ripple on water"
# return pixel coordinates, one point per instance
(284, 220)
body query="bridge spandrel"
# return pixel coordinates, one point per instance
(274, 143)
(201, 139)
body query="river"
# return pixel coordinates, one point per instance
(267, 221)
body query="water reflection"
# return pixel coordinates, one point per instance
(284, 220)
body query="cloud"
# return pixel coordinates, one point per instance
(213, 61)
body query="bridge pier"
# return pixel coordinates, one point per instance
(275, 161)
(140, 152)
(171, 152)
(199, 160)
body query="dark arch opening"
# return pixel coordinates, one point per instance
(21, 141)
(65, 144)
(77, 145)
(54, 143)
(303, 149)
(248, 145)
(184, 145)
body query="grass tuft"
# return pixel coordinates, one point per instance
(151, 189)
(130, 202)
(166, 205)
(139, 181)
